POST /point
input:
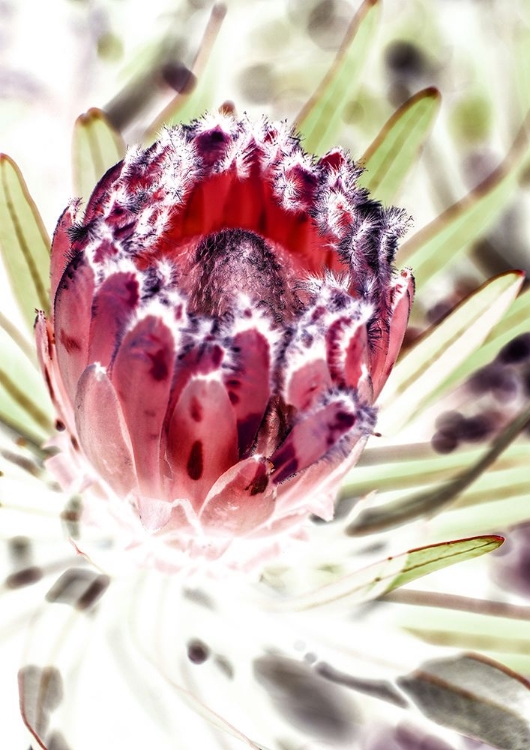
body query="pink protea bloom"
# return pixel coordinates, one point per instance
(225, 314)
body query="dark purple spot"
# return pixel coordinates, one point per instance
(234, 398)
(59, 426)
(194, 466)
(159, 368)
(344, 420)
(196, 411)
(259, 483)
(217, 356)
(198, 651)
(70, 343)
(246, 431)
(132, 288)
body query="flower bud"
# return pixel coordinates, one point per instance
(225, 314)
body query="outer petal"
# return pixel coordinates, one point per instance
(201, 439)
(102, 430)
(403, 294)
(73, 310)
(241, 500)
(47, 355)
(60, 253)
(113, 305)
(314, 436)
(142, 374)
(248, 386)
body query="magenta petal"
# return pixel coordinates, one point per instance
(142, 374)
(102, 431)
(240, 500)
(60, 252)
(73, 310)
(248, 386)
(403, 294)
(47, 356)
(114, 303)
(201, 439)
(312, 438)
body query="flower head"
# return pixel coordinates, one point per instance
(225, 314)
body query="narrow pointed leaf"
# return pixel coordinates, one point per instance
(24, 243)
(475, 696)
(382, 577)
(515, 322)
(438, 244)
(24, 402)
(394, 151)
(320, 120)
(437, 355)
(96, 147)
(430, 501)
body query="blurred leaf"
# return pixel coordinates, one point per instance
(442, 349)
(430, 501)
(437, 245)
(394, 151)
(24, 401)
(512, 324)
(475, 696)
(24, 243)
(386, 575)
(96, 147)
(189, 105)
(496, 627)
(320, 120)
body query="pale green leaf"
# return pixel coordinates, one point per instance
(24, 243)
(394, 151)
(320, 120)
(378, 579)
(24, 402)
(498, 628)
(443, 349)
(96, 147)
(437, 245)
(429, 501)
(515, 322)
(475, 696)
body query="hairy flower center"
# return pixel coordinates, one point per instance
(235, 261)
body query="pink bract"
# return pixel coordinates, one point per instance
(225, 314)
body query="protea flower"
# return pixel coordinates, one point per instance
(225, 314)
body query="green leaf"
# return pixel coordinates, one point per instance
(437, 245)
(430, 501)
(475, 696)
(496, 627)
(512, 324)
(96, 147)
(378, 579)
(24, 243)
(443, 349)
(320, 120)
(394, 151)
(24, 402)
